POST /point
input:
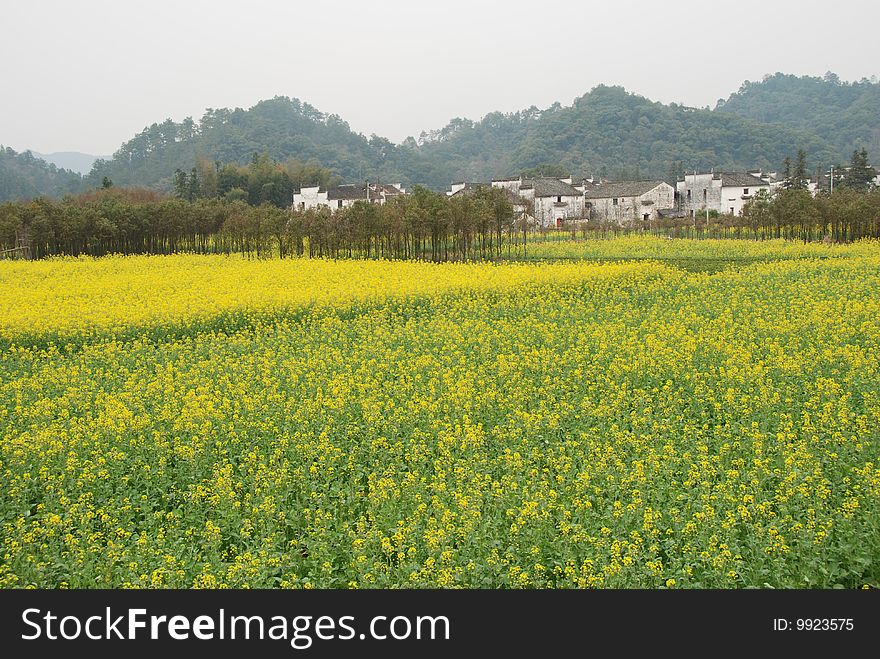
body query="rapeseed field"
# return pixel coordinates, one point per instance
(193, 421)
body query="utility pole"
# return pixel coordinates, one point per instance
(832, 179)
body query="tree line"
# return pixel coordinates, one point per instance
(423, 225)
(793, 213)
(262, 181)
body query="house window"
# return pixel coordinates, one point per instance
(745, 191)
(705, 195)
(558, 200)
(614, 201)
(339, 203)
(731, 210)
(689, 195)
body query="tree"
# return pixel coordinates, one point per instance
(181, 184)
(786, 172)
(106, 183)
(194, 187)
(799, 179)
(757, 213)
(207, 171)
(860, 175)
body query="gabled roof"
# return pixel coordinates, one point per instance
(468, 188)
(353, 191)
(608, 190)
(739, 179)
(550, 187)
(387, 188)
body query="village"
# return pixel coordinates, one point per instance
(547, 202)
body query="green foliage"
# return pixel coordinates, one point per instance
(605, 130)
(23, 176)
(262, 181)
(846, 115)
(546, 169)
(860, 175)
(281, 128)
(425, 225)
(608, 130)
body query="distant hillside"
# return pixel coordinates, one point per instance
(72, 160)
(281, 127)
(845, 114)
(24, 176)
(611, 131)
(605, 131)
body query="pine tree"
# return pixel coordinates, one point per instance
(181, 184)
(860, 175)
(799, 178)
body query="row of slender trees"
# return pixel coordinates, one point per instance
(846, 215)
(423, 225)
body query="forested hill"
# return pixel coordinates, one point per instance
(23, 176)
(282, 128)
(622, 135)
(846, 114)
(607, 131)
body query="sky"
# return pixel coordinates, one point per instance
(87, 75)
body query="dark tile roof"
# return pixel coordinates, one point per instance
(550, 187)
(609, 190)
(353, 191)
(350, 191)
(469, 188)
(387, 188)
(739, 179)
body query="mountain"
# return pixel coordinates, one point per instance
(73, 160)
(281, 127)
(611, 131)
(607, 131)
(24, 176)
(845, 114)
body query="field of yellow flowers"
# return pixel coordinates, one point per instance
(209, 421)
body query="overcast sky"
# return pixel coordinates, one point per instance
(86, 75)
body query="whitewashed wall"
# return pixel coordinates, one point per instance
(732, 197)
(547, 212)
(309, 198)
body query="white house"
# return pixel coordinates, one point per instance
(554, 200)
(462, 186)
(627, 201)
(343, 196)
(724, 192)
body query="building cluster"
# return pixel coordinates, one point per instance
(548, 202)
(552, 202)
(343, 196)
